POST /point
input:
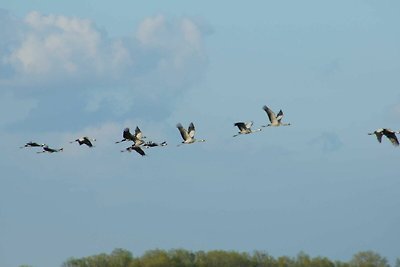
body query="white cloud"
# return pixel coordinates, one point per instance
(161, 59)
(57, 45)
(69, 46)
(191, 33)
(151, 31)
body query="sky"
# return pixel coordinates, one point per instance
(321, 185)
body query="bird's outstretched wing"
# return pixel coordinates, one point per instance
(183, 131)
(87, 141)
(271, 114)
(127, 134)
(391, 136)
(138, 133)
(240, 125)
(191, 130)
(139, 150)
(279, 116)
(249, 124)
(379, 137)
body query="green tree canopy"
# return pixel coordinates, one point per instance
(368, 259)
(220, 258)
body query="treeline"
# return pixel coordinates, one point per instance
(220, 258)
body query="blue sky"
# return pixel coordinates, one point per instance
(78, 68)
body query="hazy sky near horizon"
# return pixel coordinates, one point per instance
(88, 67)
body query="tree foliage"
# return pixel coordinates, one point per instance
(368, 259)
(220, 258)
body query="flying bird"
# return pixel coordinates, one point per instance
(391, 135)
(32, 144)
(245, 128)
(126, 134)
(138, 149)
(132, 137)
(275, 120)
(84, 141)
(153, 144)
(47, 149)
(188, 135)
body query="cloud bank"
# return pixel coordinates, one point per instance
(58, 57)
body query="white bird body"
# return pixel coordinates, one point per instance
(275, 120)
(245, 128)
(390, 134)
(188, 135)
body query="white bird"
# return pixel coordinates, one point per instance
(274, 119)
(47, 149)
(245, 128)
(391, 135)
(84, 141)
(188, 135)
(32, 144)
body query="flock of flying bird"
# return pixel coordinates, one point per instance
(188, 135)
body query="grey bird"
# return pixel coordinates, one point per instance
(136, 148)
(32, 144)
(47, 149)
(154, 144)
(390, 134)
(188, 135)
(275, 120)
(84, 141)
(127, 135)
(245, 128)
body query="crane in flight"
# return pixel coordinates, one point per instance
(47, 149)
(188, 135)
(32, 144)
(390, 134)
(275, 120)
(84, 141)
(245, 128)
